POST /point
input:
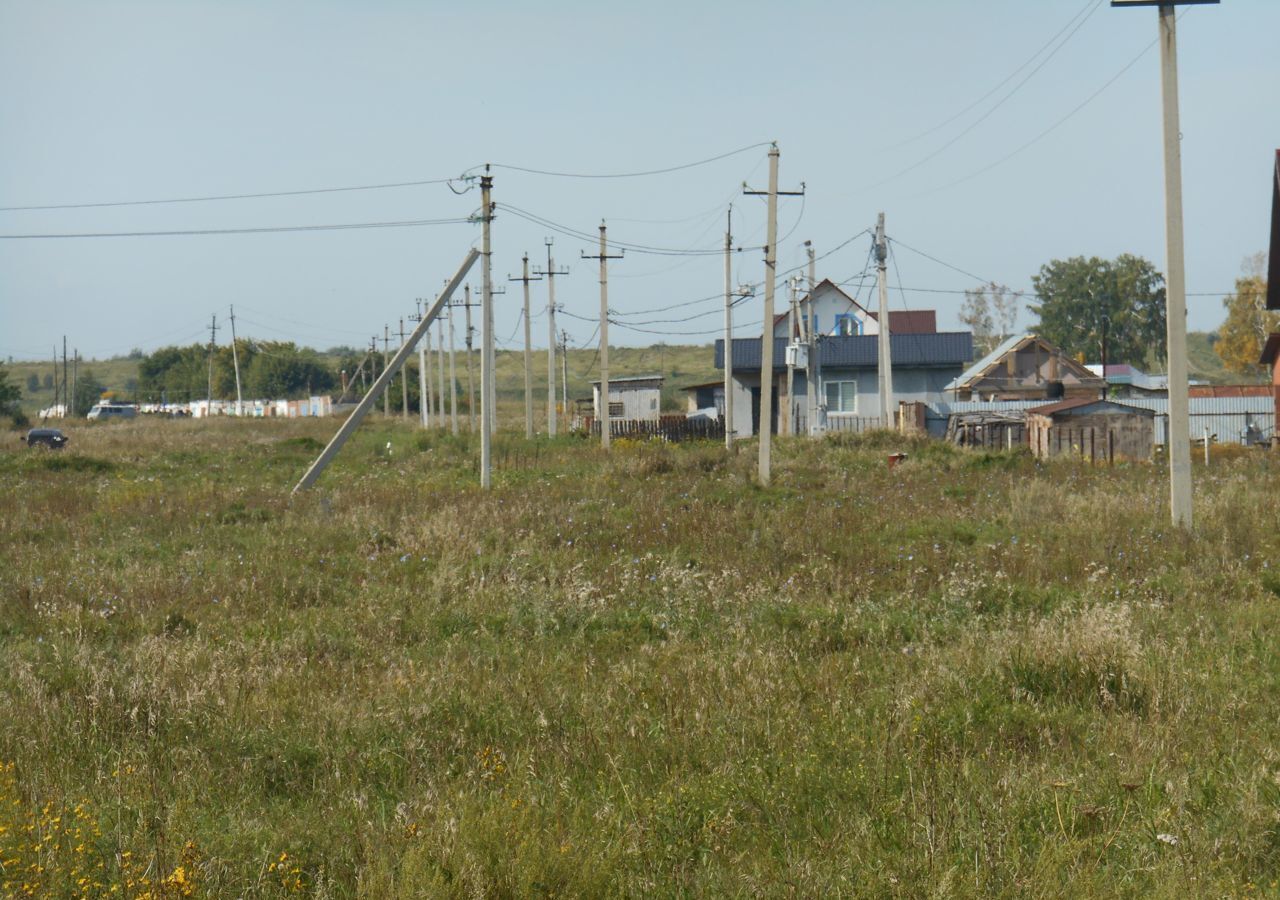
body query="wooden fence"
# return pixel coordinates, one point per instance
(666, 428)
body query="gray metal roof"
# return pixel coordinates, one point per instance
(861, 351)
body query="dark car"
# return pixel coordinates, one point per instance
(45, 437)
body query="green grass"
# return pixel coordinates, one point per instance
(629, 674)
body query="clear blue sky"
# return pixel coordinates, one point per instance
(151, 100)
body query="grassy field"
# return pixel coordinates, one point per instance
(629, 675)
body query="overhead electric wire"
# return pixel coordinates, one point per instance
(624, 245)
(1032, 58)
(1008, 156)
(330, 190)
(677, 168)
(939, 261)
(999, 103)
(275, 229)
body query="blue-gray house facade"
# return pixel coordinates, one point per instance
(848, 381)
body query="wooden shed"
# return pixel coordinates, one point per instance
(1092, 429)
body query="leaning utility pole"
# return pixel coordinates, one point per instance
(766, 340)
(380, 385)
(486, 332)
(235, 359)
(884, 361)
(728, 330)
(550, 273)
(603, 412)
(528, 352)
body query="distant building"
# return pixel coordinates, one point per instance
(835, 313)
(1124, 380)
(846, 370)
(1026, 367)
(1092, 429)
(634, 398)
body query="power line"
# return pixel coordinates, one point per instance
(1008, 156)
(1003, 82)
(278, 229)
(941, 262)
(329, 190)
(682, 166)
(581, 235)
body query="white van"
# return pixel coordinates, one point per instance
(113, 411)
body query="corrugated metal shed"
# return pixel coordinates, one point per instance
(947, 348)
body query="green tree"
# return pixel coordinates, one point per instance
(33, 383)
(280, 369)
(10, 394)
(1081, 301)
(1248, 323)
(88, 392)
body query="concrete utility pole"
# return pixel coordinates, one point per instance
(528, 351)
(439, 403)
(213, 340)
(453, 378)
(811, 364)
(471, 379)
(550, 273)
(56, 386)
(75, 372)
(486, 327)
(604, 257)
(728, 330)
(884, 361)
(564, 371)
(766, 341)
(386, 358)
(380, 385)
(404, 381)
(1179, 430)
(424, 391)
(793, 291)
(235, 359)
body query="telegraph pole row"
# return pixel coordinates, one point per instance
(604, 258)
(766, 341)
(550, 273)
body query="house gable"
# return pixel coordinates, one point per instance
(1022, 365)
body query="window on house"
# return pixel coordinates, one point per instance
(615, 409)
(847, 324)
(842, 396)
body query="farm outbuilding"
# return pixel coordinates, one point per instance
(633, 399)
(1096, 430)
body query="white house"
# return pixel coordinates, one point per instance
(836, 313)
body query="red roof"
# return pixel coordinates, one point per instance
(911, 321)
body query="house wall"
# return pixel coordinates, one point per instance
(909, 385)
(827, 304)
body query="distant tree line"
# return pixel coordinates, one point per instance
(268, 369)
